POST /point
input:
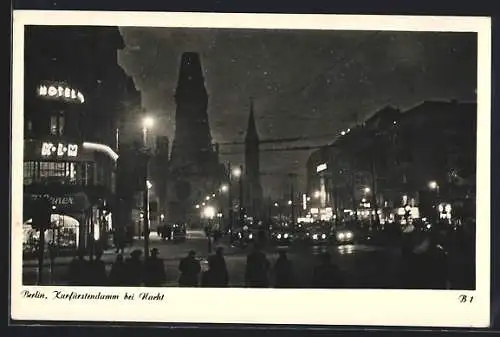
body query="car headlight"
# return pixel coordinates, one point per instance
(348, 235)
(250, 236)
(340, 236)
(278, 236)
(315, 236)
(323, 236)
(285, 235)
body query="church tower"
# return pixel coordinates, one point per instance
(253, 197)
(193, 166)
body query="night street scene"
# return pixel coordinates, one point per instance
(182, 157)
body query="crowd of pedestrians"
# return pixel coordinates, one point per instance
(150, 272)
(424, 264)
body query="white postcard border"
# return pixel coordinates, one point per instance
(264, 306)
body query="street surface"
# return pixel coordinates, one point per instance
(363, 266)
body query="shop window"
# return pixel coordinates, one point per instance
(64, 172)
(29, 172)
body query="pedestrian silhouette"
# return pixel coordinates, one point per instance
(257, 268)
(212, 278)
(327, 274)
(98, 270)
(79, 270)
(190, 269)
(134, 269)
(216, 276)
(221, 267)
(154, 270)
(283, 271)
(117, 276)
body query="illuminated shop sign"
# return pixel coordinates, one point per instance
(321, 168)
(63, 92)
(56, 201)
(59, 150)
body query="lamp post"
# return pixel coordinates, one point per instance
(434, 186)
(147, 124)
(238, 172)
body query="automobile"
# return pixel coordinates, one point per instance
(318, 234)
(344, 236)
(179, 232)
(243, 236)
(282, 235)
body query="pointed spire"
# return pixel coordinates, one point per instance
(251, 128)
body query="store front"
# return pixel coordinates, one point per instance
(70, 214)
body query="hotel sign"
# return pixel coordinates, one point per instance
(60, 92)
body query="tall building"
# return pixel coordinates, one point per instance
(418, 158)
(194, 170)
(71, 88)
(253, 194)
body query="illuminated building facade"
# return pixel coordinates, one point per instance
(418, 158)
(70, 112)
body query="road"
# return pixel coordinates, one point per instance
(363, 266)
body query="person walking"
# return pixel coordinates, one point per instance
(154, 270)
(190, 269)
(257, 269)
(283, 271)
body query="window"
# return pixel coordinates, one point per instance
(64, 172)
(60, 125)
(57, 124)
(53, 125)
(50, 171)
(29, 172)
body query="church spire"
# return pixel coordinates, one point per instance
(251, 128)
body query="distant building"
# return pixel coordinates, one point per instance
(72, 86)
(253, 188)
(194, 170)
(396, 159)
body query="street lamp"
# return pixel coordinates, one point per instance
(433, 185)
(317, 194)
(224, 188)
(367, 190)
(209, 212)
(147, 124)
(237, 172)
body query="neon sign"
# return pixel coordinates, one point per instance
(59, 150)
(60, 92)
(321, 168)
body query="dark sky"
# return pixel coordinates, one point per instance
(304, 83)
